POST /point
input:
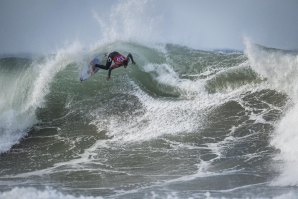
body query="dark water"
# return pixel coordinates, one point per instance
(182, 123)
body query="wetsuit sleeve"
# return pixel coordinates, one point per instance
(113, 67)
(131, 57)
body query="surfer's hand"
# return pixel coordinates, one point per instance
(134, 63)
(108, 78)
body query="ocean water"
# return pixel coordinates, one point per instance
(181, 123)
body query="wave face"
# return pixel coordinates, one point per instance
(180, 123)
(24, 84)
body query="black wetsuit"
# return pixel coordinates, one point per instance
(118, 59)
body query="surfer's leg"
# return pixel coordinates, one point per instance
(102, 66)
(107, 66)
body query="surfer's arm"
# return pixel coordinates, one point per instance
(131, 57)
(110, 71)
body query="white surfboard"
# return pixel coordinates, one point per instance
(86, 72)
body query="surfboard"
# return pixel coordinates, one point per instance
(86, 72)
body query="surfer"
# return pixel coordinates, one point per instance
(118, 59)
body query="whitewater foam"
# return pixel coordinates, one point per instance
(164, 74)
(162, 116)
(280, 70)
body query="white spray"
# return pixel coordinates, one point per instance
(132, 20)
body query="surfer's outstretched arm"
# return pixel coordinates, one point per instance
(131, 57)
